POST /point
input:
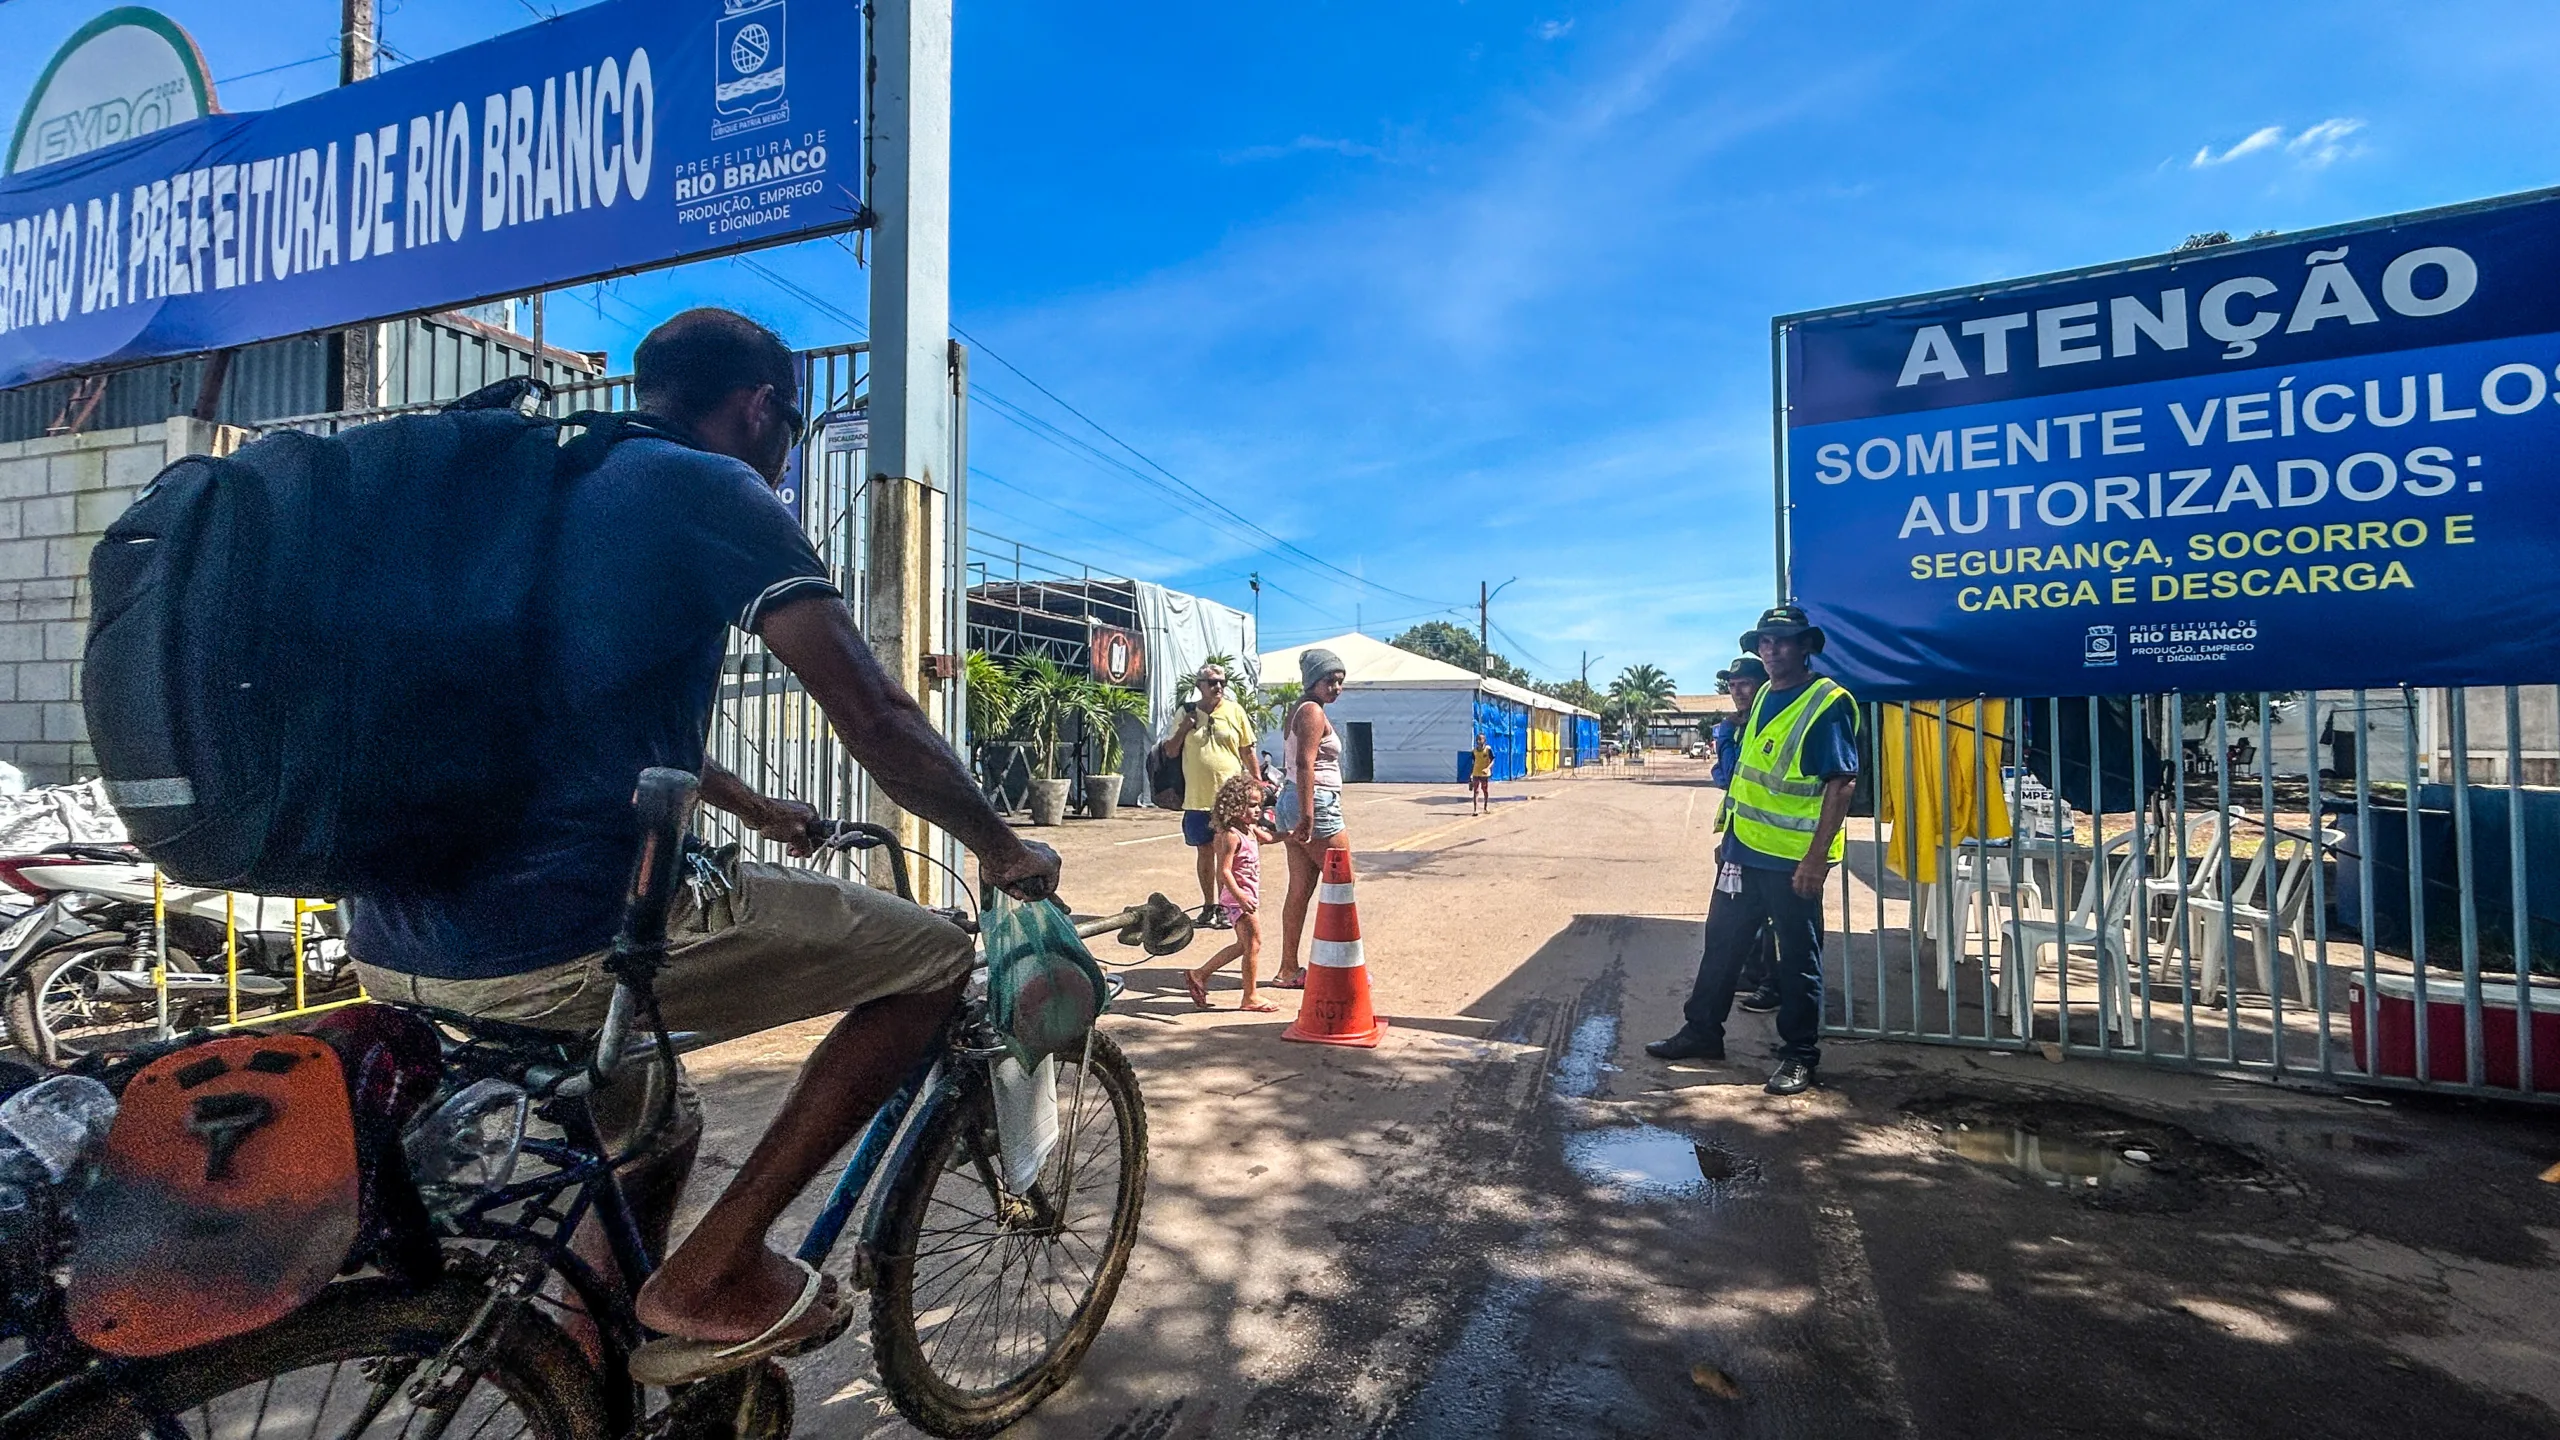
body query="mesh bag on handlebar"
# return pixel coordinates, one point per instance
(1044, 990)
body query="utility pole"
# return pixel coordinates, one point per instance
(1484, 622)
(1587, 659)
(907, 145)
(1255, 580)
(358, 43)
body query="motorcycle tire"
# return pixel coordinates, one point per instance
(50, 969)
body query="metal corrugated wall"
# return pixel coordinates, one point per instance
(423, 360)
(282, 377)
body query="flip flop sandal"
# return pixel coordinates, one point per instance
(1300, 983)
(1199, 990)
(670, 1361)
(1259, 1007)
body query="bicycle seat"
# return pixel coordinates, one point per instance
(1160, 927)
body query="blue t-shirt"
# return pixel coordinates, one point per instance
(665, 549)
(1830, 749)
(1728, 753)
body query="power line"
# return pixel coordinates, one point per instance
(805, 296)
(1152, 464)
(1220, 522)
(977, 472)
(275, 69)
(1517, 648)
(1182, 492)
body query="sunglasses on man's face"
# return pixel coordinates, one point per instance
(792, 419)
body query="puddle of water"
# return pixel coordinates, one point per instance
(1636, 1160)
(2053, 1160)
(1586, 1057)
(1647, 1162)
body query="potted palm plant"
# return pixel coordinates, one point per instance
(1103, 708)
(1045, 696)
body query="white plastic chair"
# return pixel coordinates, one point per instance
(2291, 914)
(2086, 925)
(1980, 872)
(2168, 890)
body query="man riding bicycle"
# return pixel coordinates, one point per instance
(676, 537)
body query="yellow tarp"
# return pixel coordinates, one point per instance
(1546, 741)
(1939, 760)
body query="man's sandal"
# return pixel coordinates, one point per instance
(672, 1361)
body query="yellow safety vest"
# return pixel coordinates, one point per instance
(1774, 807)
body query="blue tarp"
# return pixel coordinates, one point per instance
(1505, 726)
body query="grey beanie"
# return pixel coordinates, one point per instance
(1316, 662)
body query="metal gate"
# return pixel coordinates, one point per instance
(2331, 886)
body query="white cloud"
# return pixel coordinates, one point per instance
(2319, 145)
(2327, 142)
(1381, 339)
(1304, 144)
(2266, 139)
(1552, 29)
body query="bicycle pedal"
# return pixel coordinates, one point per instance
(754, 1403)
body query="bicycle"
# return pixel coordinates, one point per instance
(474, 1350)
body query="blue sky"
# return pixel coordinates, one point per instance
(1454, 291)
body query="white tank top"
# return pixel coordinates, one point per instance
(1328, 768)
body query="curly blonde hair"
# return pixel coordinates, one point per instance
(1238, 806)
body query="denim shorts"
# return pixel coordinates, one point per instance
(1328, 809)
(1197, 829)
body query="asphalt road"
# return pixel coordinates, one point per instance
(1507, 1221)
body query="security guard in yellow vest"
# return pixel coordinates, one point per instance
(1799, 766)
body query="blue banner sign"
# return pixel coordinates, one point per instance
(2321, 461)
(624, 136)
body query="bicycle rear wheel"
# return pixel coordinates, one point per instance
(986, 1302)
(338, 1369)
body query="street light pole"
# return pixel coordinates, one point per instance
(1484, 622)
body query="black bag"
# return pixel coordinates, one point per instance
(309, 662)
(1164, 778)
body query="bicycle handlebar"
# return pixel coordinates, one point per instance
(664, 801)
(860, 835)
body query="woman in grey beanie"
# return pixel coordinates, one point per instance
(1310, 809)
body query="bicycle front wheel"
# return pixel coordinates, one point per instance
(986, 1300)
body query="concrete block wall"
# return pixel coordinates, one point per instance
(58, 494)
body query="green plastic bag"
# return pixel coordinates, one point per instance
(1044, 990)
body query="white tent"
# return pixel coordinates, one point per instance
(1412, 717)
(1181, 632)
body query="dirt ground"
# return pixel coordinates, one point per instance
(1506, 1220)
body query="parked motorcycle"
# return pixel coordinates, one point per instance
(76, 970)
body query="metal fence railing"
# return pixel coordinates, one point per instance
(2330, 885)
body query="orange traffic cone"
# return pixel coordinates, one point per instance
(1336, 1009)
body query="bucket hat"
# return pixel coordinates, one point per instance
(1746, 668)
(1779, 622)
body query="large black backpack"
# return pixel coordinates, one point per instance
(313, 664)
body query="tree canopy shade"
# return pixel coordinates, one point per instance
(1446, 642)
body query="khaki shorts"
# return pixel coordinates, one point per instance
(785, 944)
